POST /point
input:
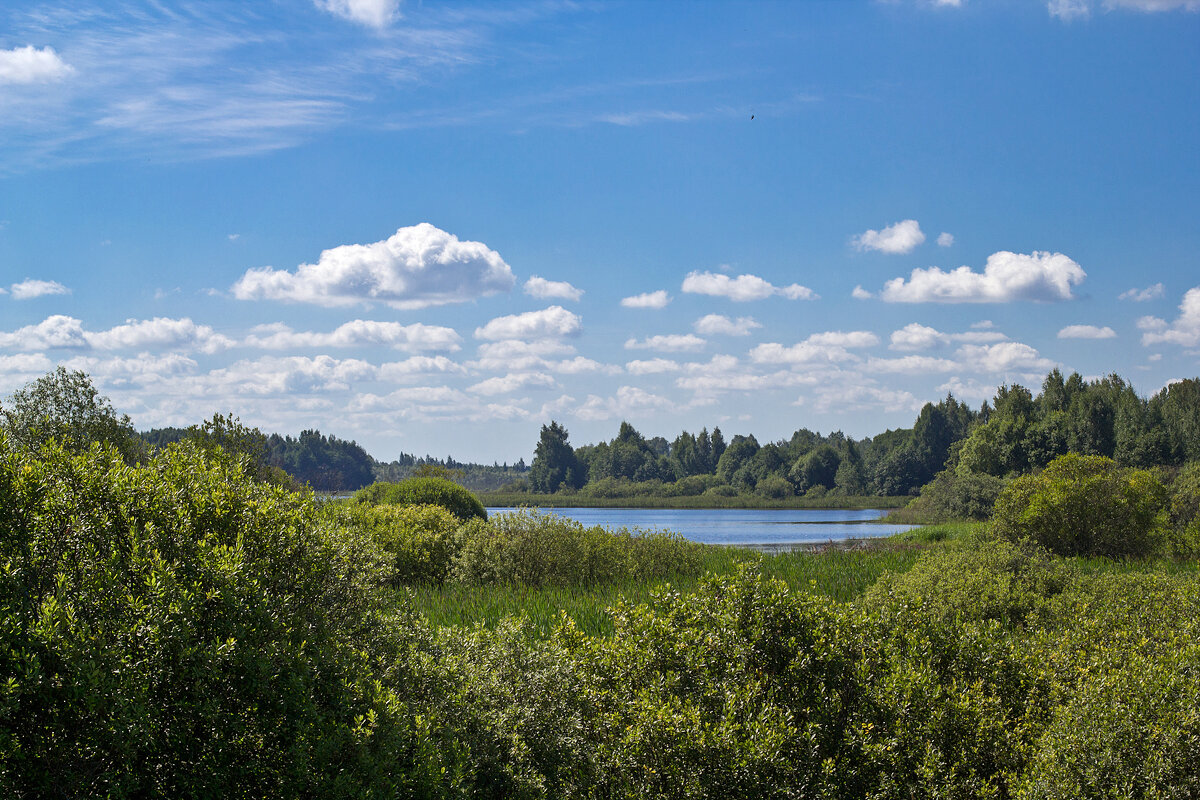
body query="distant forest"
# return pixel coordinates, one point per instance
(329, 464)
(1012, 434)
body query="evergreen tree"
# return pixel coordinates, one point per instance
(554, 462)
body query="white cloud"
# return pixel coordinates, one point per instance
(24, 65)
(289, 375)
(628, 401)
(902, 237)
(1069, 9)
(546, 290)
(1086, 332)
(1072, 9)
(549, 323)
(828, 347)
(970, 389)
(945, 239)
(373, 13)
(160, 332)
(417, 337)
(724, 373)
(653, 366)
(416, 267)
(670, 343)
(743, 288)
(717, 324)
(1185, 330)
(1007, 277)
(915, 336)
(512, 382)
(142, 370)
(1002, 357)
(860, 293)
(438, 404)
(911, 365)
(983, 324)
(654, 300)
(1142, 295)
(511, 354)
(61, 331)
(579, 364)
(398, 371)
(859, 394)
(31, 288)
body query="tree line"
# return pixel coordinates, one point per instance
(1014, 433)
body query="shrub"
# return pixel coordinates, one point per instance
(420, 539)
(543, 549)
(1083, 505)
(1184, 509)
(953, 494)
(182, 630)
(425, 491)
(986, 581)
(776, 487)
(721, 490)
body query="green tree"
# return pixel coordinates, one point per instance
(554, 462)
(65, 407)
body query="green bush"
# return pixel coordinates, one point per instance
(1184, 510)
(1084, 505)
(420, 539)
(544, 549)
(182, 630)
(953, 494)
(982, 581)
(424, 492)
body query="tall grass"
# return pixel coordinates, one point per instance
(842, 574)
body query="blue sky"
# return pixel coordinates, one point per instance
(432, 227)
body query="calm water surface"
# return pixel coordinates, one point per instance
(740, 526)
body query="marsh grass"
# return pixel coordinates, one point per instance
(832, 571)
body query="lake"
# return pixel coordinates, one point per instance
(744, 527)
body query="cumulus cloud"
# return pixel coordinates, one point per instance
(628, 401)
(1007, 277)
(945, 239)
(743, 288)
(828, 347)
(670, 343)
(915, 336)
(653, 366)
(724, 373)
(1003, 357)
(432, 404)
(289, 375)
(860, 293)
(911, 365)
(1074, 9)
(654, 300)
(1185, 330)
(513, 382)
(512, 354)
(717, 324)
(30, 288)
(63, 332)
(970, 389)
(372, 13)
(26, 65)
(549, 290)
(902, 237)
(1142, 295)
(399, 371)
(415, 338)
(863, 397)
(417, 267)
(549, 323)
(1087, 332)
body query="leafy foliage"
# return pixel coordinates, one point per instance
(1083, 505)
(179, 629)
(64, 407)
(425, 491)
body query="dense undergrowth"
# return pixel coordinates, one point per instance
(178, 629)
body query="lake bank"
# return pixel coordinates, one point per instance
(768, 530)
(703, 501)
